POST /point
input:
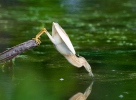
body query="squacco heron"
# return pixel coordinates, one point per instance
(63, 44)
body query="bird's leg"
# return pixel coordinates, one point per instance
(37, 37)
(50, 37)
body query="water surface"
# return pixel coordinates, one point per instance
(101, 31)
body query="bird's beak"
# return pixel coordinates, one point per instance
(88, 68)
(91, 74)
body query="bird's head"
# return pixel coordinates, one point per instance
(86, 65)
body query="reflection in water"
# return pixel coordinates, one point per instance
(8, 66)
(12, 86)
(105, 28)
(82, 96)
(6, 85)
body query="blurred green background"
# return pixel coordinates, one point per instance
(103, 31)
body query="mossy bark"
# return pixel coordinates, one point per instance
(16, 50)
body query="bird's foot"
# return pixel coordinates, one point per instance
(37, 40)
(37, 37)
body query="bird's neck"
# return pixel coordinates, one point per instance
(74, 60)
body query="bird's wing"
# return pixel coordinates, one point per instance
(63, 36)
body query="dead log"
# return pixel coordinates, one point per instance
(16, 50)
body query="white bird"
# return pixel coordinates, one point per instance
(63, 44)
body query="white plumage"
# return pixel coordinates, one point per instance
(63, 44)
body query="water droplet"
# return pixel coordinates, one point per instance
(121, 96)
(61, 79)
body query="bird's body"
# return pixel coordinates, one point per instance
(63, 44)
(61, 40)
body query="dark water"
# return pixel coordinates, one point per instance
(103, 31)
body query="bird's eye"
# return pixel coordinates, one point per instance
(77, 55)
